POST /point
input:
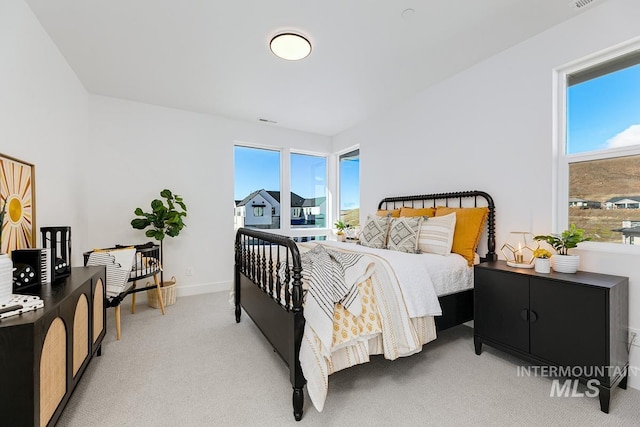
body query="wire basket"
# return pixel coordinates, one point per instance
(168, 290)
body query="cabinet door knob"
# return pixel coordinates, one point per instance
(532, 316)
(524, 314)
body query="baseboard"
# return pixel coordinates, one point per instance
(202, 288)
(634, 367)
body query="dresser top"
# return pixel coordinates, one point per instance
(579, 277)
(53, 294)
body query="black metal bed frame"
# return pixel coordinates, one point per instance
(276, 305)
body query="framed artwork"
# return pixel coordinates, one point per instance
(17, 187)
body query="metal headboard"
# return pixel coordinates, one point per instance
(454, 199)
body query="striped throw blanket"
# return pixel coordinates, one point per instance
(332, 277)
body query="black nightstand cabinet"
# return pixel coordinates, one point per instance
(557, 319)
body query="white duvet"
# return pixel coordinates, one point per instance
(422, 277)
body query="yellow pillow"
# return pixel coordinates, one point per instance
(394, 213)
(469, 225)
(430, 212)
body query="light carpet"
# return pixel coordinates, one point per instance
(196, 367)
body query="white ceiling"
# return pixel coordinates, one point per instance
(212, 56)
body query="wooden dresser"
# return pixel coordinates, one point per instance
(44, 353)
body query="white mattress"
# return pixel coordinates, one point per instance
(449, 274)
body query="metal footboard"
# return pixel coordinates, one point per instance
(268, 286)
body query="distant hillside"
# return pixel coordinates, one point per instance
(603, 179)
(351, 216)
(600, 181)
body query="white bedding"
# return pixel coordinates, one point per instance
(448, 274)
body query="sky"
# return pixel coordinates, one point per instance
(604, 112)
(257, 168)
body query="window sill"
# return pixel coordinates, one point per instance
(613, 248)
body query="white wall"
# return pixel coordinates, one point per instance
(43, 120)
(136, 150)
(490, 128)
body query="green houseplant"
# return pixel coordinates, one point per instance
(341, 226)
(568, 239)
(561, 243)
(165, 219)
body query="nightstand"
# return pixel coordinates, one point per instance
(576, 321)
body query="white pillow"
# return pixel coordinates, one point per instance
(436, 234)
(403, 234)
(374, 232)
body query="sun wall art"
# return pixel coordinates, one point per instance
(17, 187)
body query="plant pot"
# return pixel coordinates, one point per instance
(542, 265)
(168, 291)
(566, 263)
(6, 278)
(342, 237)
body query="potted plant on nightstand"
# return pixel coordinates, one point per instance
(341, 227)
(542, 262)
(563, 262)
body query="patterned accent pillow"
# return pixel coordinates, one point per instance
(403, 234)
(436, 234)
(374, 232)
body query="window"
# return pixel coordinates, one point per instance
(308, 191)
(257, 186)
(262, 187)
(599, 147)
(349, 183)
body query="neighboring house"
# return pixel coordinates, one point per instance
(630, 230)
(261, 209)
(624, 202)
(584, 204)
(313, 210)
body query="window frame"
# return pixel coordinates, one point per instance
(285, 190)
(562, 160)
(338, 202)
(305, 232)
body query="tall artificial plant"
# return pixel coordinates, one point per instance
(165, 219)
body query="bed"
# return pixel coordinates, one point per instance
(269, 282)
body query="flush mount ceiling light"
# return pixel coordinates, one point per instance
(290, 46)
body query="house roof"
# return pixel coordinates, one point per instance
(617, 199)
(629, 231)
(296, 200)
(248, 198)
(315, 201)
